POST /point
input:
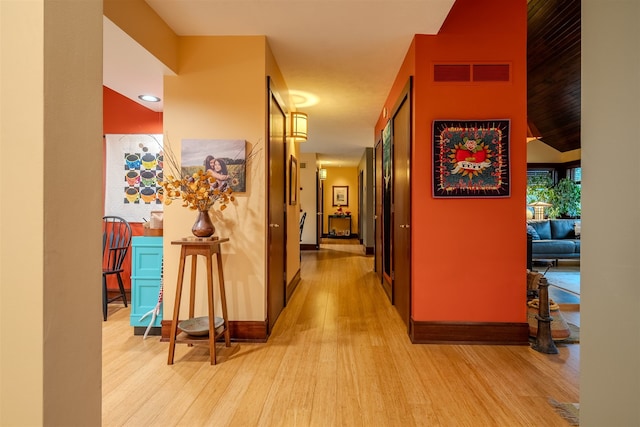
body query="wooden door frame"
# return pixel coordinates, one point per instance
(399, 230)
(319, 209)
(272, 94)
(378, 212)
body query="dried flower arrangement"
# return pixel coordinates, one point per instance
(198, 191)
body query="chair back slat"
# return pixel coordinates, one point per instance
(116, 240)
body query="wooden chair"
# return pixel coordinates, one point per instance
(302, 218)
(116, 240)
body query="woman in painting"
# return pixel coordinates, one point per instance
(217, 168)
(221, 173)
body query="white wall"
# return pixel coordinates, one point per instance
(610, 258)
(367, 214)
(308, 198)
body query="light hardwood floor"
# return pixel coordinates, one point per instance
(339, 356)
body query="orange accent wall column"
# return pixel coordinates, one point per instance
(469, 255)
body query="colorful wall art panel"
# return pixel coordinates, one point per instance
(133, 176)
(471, 158)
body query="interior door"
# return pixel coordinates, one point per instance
(319, 211)
(378, 211)
(401, 136)
(360, 205)
(276, 285)
(387, 210)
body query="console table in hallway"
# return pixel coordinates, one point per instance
(207, 247)
(343, 224)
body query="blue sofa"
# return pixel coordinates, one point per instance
(554, 238)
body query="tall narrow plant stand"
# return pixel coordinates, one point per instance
(207, 247)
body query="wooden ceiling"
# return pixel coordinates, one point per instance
(553, 67)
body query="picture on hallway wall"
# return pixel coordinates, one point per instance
(471, 158)
(340, 195)
(293, 180)
(133, 172)
(387, 171)
(224, 159)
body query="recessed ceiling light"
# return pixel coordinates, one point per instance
(149, 98)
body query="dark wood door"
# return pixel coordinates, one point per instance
(360, 206)
(276, 285)
(378, 184)
(401, 136)
(319, 210)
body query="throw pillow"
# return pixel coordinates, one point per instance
(576, 229)
(542, 228)
(532, 231)
(562, 229)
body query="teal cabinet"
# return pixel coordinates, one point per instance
(146, 278)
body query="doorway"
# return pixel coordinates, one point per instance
(276, 248)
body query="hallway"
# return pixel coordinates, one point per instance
(339, 355)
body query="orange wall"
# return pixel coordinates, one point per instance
(468, 254)
(124, 116)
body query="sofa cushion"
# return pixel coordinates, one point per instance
(556, 247)
(532, 232)
(542, 228)
(563, 229)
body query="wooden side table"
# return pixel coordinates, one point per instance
(207, 247)
(344, 226)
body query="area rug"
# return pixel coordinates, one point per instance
(569, 411)
(566, 280)
(574, 338)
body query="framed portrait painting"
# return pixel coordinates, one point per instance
(293, 180)
(340, 195)
(225, 158)
(471, 158)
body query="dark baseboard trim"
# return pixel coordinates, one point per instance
(308, 247)
(246, 331)
(488, 333)
(369, 250)
(291, 286)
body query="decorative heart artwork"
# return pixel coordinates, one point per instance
(471, 158)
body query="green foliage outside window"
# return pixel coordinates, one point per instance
(564, 197)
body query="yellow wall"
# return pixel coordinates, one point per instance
(220, 94)
(50, 210)
(293, 216)
(136, 18)
(539, 152)
(340, 177)
(293, 149)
